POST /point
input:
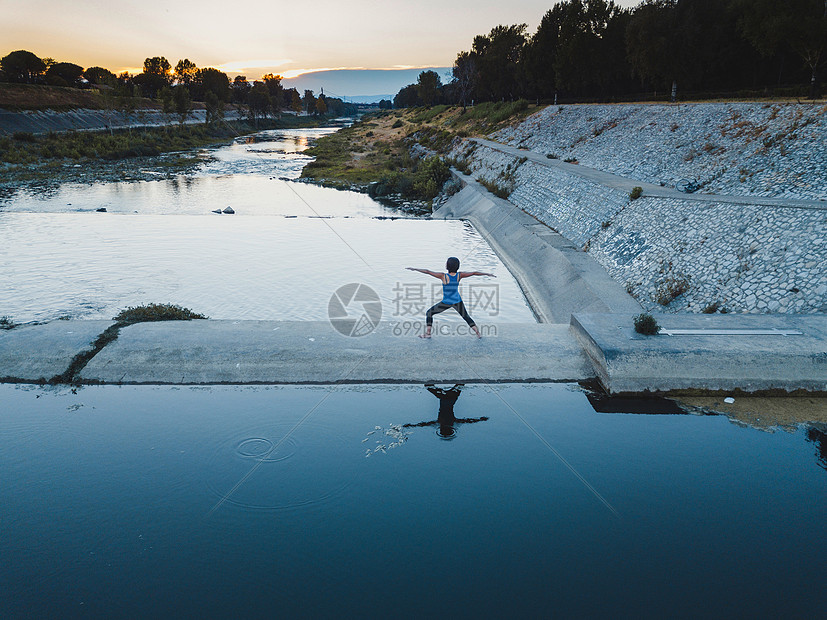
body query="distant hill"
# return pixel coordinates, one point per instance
(370, 98)
(361, 85)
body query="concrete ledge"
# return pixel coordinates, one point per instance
(35, 352)
(625, 361)
(556, 277)
(196, 352)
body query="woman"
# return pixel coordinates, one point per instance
(450, 294)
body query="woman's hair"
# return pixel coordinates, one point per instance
(452, 264)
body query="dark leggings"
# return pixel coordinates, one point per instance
(442, 307)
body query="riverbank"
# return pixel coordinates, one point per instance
(130, 154)
(737, 250)
(391, 155)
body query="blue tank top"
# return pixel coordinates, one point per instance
(450, 291)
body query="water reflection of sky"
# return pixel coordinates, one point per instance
(159, 242)
(205, 501)
(231, 267)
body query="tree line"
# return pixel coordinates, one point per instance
(174, 87)
(594, 50)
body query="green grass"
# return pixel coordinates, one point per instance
(426, 115)
(155, 312)
(489, 116)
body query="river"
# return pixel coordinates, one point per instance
(281, 255)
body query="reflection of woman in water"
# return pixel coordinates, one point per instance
(446, 418)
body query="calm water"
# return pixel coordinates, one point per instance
(281, 256)
(262, 501)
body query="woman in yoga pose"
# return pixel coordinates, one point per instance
(450, 294)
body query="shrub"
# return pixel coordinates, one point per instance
(636, 192)
(500, 191)
(711, 308)
(6, 323)
(552, 156)
(23, 136)
(397, 124)
(570, 160)
(646, 324)
(430, 176)
(460, 164)
(670, 289)
(156, 312)
(396, 182)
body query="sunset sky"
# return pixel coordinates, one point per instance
(258, 36)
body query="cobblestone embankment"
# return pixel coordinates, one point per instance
(751, 149)
(43, 121)
(672, 254)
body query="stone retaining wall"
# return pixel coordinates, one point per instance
(675, 255)
(751, 149)
(43, 121)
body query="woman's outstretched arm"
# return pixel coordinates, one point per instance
(466, 274)
(428, 272)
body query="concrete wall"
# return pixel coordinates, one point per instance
(556, 276)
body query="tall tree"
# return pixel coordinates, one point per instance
(274, 87)
(407, 97)
(258, 101)
(99, 75)
(541, 54)
(309, 102)
(186, 72)
(465, 76)
(295, 101)
(64, 74)
(215, 107)
(428, 86)
(216, 82)
(499, 54)
(155, 76)
(584, 63)
(182, 102)
(241, 87)
(800, 24)
(22, 66)
(652, 43)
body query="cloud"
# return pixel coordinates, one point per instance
(241, 65)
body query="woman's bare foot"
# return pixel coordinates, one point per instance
(476, 331)
(427, 333)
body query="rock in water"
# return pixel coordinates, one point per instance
(229, 210)
(217, 211)
(101, 210)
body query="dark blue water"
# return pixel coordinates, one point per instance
(262, 502)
